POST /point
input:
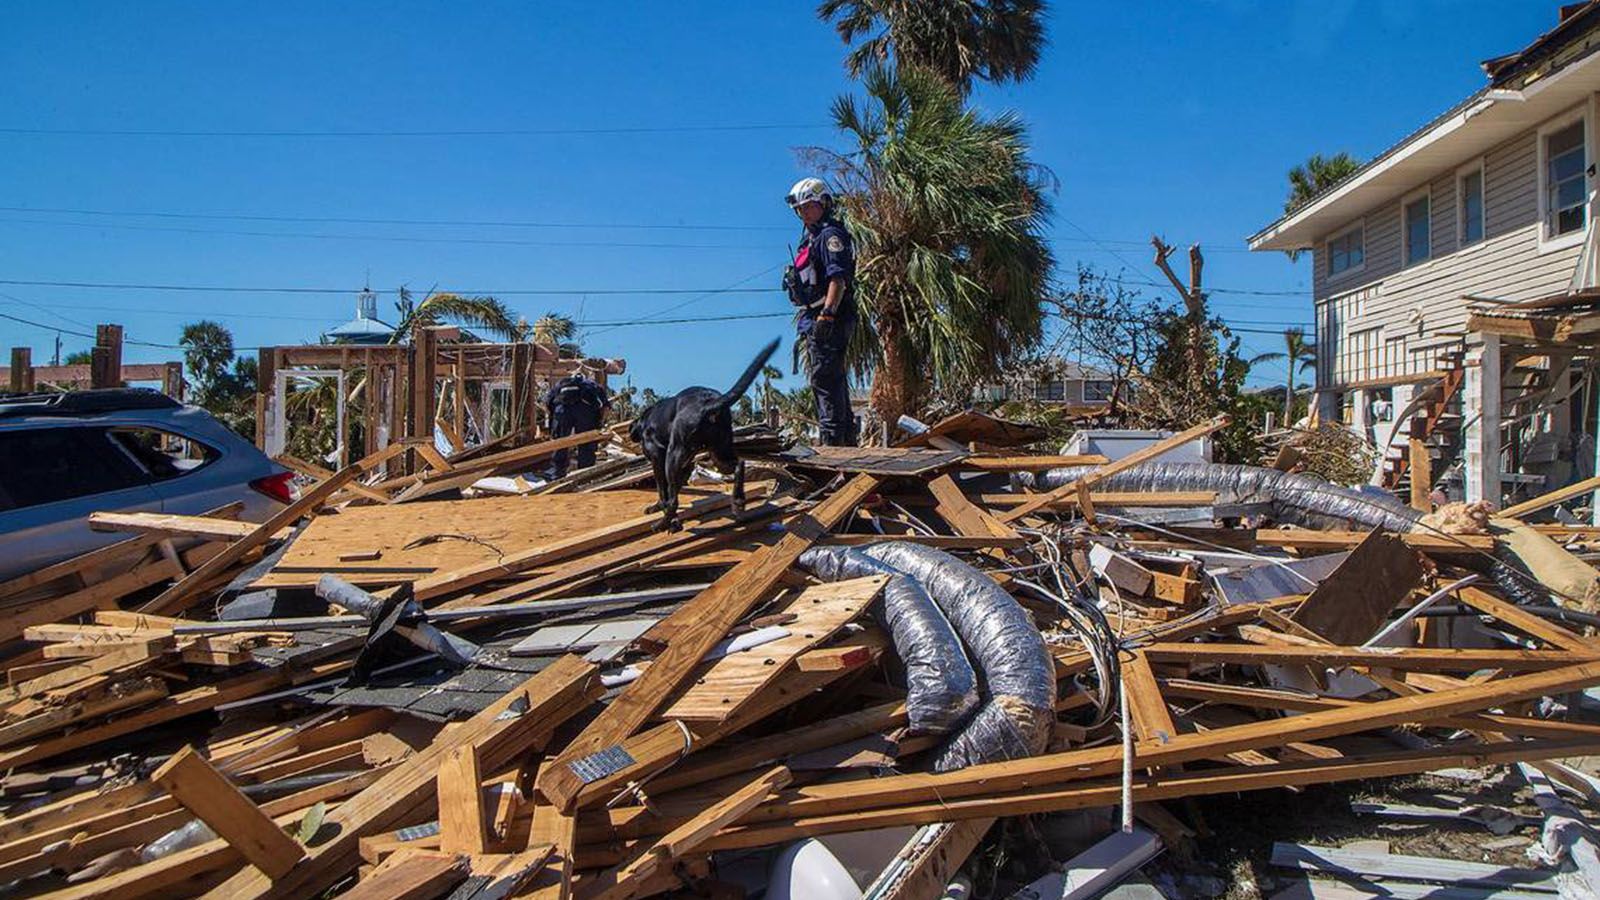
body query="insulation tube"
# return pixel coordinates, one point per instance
(1018, 673)
(941, 687)
(1290, 498)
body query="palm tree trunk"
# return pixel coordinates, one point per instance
(893, 382)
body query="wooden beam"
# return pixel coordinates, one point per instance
(1559, 495)
(824, 799)
(411, 875)
(1309, 539)
(171, 525)
(21, 374)
(207, 793)
(1414, 659)
(1522, 620)
(699, 624)
(1028, 800)
(1027, 463)
(621, 882)
(412, 782)
(1144, 455)
(105, 364)
(463, 825)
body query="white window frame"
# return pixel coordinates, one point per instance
(1479, 168)
(1327, 251)
(1547, 243)
(1424, 193)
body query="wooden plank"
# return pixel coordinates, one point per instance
(311, 470)
(823, 799)
(142, 575)
(706, 766)
(1522, 620)
(463, 825)
(1112, 499)
(411, 875)
(1030, 463)
(1354, 601)
(965, 517)
(1144, 455)
(181, 595)
(412, 782)
(621, 883)
(465, 473)
(559, 831)
(775, 823)
(1419, 659)
(122, 552)
(1152, 722)
(1307, 539)
(555, 551)
(215, 801)
(1421, 475)
(720, 689)
(701, 622)
(169, 525)
(1551, 498)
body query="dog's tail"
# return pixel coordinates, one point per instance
(749, 377)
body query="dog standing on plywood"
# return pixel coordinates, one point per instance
(675, 430)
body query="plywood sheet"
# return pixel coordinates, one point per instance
(485, 525)
(720, 688)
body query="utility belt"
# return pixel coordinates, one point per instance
(798, 292)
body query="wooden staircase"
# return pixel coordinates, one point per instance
(1434, 433)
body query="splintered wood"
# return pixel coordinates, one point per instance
(550, 697)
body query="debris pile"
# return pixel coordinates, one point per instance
(390, 691)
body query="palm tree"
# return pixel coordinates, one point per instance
(995, 40)
(553, 328)
(483, 313)
(948, 216)
(1314, 176)
(769, 374)
(1300, 354)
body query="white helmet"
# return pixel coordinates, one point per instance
(807, 190)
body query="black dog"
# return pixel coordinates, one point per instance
(673, 431)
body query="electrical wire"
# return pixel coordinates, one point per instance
(400, 239)
(370, 133)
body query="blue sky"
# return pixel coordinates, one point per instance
(1169, 117)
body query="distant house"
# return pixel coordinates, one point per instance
(1454, 278)
(365, 328)
(1064, 383)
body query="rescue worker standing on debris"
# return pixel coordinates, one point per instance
(821, 282)
(575, 404)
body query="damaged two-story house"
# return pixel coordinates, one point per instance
(1456, 303)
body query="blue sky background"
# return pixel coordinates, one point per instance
(1169, 117)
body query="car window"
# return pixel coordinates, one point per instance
(163, 454)
(44, 465)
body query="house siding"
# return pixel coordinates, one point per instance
(1391, 320)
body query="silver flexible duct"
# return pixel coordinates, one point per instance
(941, 687)
(1019, 675)
(1289, 498)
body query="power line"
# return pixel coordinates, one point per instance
(487, 223)
(359, 220)
(237, 289)
(542, 292)
(371, 133)
(375, 237)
